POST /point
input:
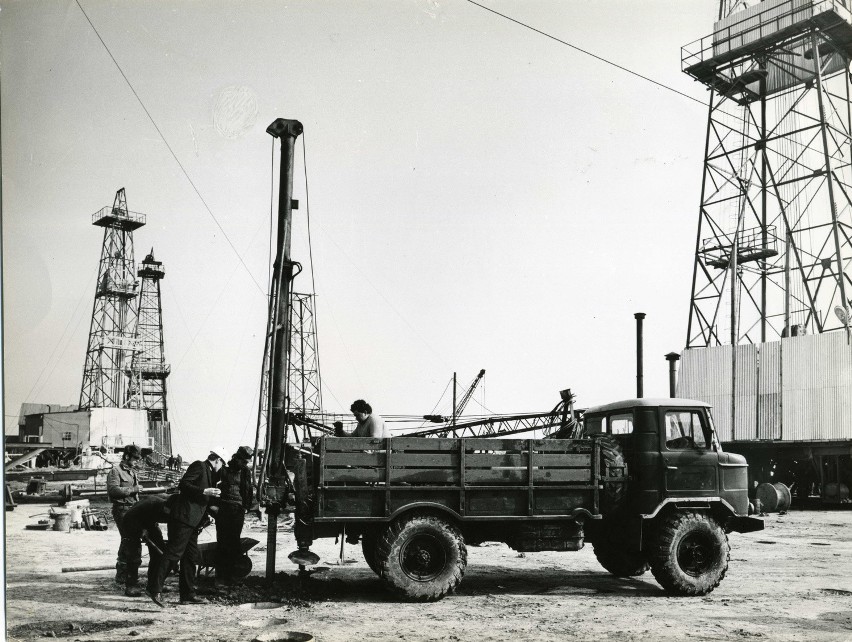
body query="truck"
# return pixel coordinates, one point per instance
(645, 481)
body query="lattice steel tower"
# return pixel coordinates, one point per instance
(304, 391)
(111, 333)
(774, 242)
(148, 368)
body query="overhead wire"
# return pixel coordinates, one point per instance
(586, 52)
(171, 151)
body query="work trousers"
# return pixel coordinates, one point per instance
(229, 527)
(183, 546)
(155, 545)
(129, 558)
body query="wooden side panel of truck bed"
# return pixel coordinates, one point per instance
(364, 479)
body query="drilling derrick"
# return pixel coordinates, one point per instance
(112, 330)
(304, 395)
(148, 367)
(774, 242)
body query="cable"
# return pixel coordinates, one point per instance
(171, 151)
(588, 53)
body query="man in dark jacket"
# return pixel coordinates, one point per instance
(186, 512)
(123, 490)
(140, 523)
(236, 498)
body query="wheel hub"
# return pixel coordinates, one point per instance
(422, 558)
(695, 554)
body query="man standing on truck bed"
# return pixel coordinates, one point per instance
(123, 490)
(369, 424)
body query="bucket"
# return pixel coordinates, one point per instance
(773, 498)
(62, 521)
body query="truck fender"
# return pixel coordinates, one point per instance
(692, 502)
(426, 507)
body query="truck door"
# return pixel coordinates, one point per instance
(686, 452)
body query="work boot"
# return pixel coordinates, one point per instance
(156, 597)
(133, 591)
(193, 599)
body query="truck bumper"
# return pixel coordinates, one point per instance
(743, 524)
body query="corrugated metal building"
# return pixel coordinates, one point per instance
(796, 389)
(108, 428)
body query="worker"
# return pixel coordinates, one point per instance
(170, 463)
(369, 424)
(187, 510)
(123, 489)
(236, 498)
(179, 463)
(140, 523)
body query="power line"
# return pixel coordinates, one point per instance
(588, 53)
(171, 151)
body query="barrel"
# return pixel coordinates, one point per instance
(773, 498)
(62, 520)
(835, 492)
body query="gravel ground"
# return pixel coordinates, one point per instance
(793, 581)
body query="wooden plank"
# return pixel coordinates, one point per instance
(332, 459)
(424, 475)
(562, 475)
(495, 475)
(496, 502)
(335, 475)
(350, 444)
(425, 460)
(424, 443)
(563, 461)
(477, 443)
(488, 460)
(561, 445)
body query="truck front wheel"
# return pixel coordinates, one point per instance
(689, 555)
(421, 557)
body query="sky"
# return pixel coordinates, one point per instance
(479, 195)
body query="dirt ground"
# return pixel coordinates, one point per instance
(792, 581)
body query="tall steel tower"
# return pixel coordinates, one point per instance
(774, 242)
(112, 331)
(148, 368)
(304, 393)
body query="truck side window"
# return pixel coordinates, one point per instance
(684, 430)
(620, 424)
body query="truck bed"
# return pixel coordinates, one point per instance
(364, 479)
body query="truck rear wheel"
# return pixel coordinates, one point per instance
(690, 554)
(421, 557)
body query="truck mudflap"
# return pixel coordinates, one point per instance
(742, 524)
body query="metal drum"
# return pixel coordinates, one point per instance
(773, 498)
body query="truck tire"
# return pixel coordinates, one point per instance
(690, 554)
(612, 458)
(369, 542)
(421, 557)
(614, 555)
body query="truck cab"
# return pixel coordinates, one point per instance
(674, 457)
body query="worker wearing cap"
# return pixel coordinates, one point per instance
(123, 490)
(141, 523)
(236, 498)
(187, 510)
